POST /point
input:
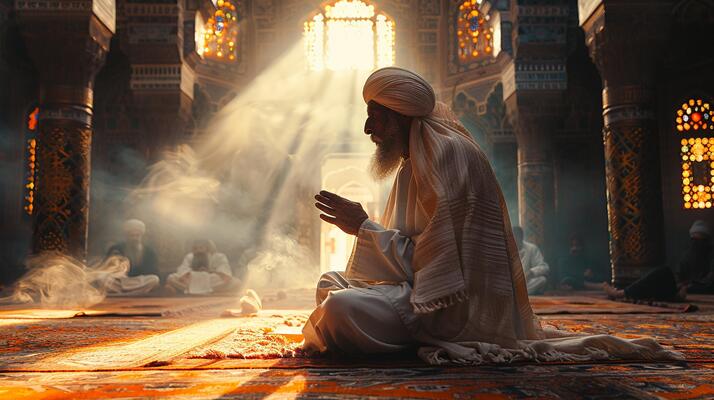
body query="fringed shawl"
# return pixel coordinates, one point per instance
(466, 252)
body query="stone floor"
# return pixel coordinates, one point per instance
(154, 347)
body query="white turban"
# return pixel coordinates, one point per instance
(699, 227)
(400, 90)
(133, 225)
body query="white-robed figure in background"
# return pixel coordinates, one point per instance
(535, 268)
(203, 271)
(442, 271)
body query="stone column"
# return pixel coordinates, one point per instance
(534, 117)
(627, 68)
(533, 86)
(68, 43)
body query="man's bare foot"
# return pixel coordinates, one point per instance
(682, 293)
(612, 292)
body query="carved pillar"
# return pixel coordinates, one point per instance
(162, 92)
(534, 117)
(68, 43)
(533, 85)
(627, 68)
(161, 83)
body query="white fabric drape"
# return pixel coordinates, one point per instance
(468, 291)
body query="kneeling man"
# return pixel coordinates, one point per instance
(442, 270)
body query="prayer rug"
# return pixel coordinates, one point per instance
(691, 334)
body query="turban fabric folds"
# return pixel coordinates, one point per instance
(134, 225)
(400, 90)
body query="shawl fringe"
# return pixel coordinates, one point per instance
(440, 303)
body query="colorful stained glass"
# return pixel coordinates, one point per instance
(475, 37)
(31, 161)
(693, 119)
(220, 33)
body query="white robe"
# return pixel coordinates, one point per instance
(372, 312)
(534, 267)
(131, 285)
(202, 282)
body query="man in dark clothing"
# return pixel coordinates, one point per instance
(696, 268)
(695, 273)
(143, 273)
(575, 268)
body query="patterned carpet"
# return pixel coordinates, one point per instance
(200, 356)
(691, 334)
(27, 342)
(631, 381)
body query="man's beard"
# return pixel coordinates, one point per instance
(387, 157)
(134, 251)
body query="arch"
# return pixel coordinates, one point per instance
(693, 120)
(335, 37)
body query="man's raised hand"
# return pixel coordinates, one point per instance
(345, 214)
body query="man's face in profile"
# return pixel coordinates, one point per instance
(383, 128)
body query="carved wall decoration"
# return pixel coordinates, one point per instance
(63, 182)
(535, 182)
(634, 224)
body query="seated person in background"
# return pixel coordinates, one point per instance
(202, 271)
(143, 274)
(696, 268)
(576, 269)
(695, 275)
(534, 267)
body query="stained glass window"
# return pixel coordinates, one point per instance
(218, 38)
(349, 34)
(475, 36)
(694, 122)
(31, 161)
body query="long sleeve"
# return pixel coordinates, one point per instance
(538, 265)
(185, 266)
(219, 263)
(381, 255)
(533, 261)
